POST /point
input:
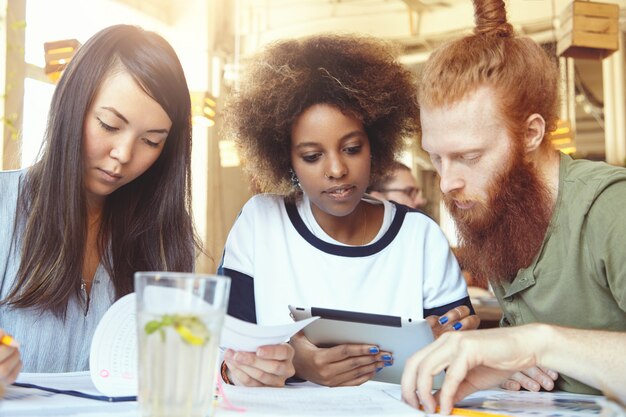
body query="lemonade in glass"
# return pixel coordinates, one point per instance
(179, 322)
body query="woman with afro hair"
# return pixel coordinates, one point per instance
(316, 120)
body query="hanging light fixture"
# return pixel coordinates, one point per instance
(203, 108)
(58, 54)
(563, 137)
(588, 30)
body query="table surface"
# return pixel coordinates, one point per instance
(372, 399)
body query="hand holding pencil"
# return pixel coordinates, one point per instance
(10, 362)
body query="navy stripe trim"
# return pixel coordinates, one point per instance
(77, 393)
(440, 311)
(347, 251)
(241, 303)
(414, 210)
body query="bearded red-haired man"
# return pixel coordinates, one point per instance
(545, 230)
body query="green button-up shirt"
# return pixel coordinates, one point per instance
(578, 278)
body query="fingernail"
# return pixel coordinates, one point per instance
(535, 387)
(386, 357)
(374, 350)
(378, 370)
(457, 326)
(388, 363)
(443, 320)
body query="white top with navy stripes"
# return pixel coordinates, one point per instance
(407, 270)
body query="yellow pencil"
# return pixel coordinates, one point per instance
(8, 341)
(470, 413)
(473, 413)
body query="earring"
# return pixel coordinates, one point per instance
(295, 182)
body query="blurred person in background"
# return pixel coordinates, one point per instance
(400, 186)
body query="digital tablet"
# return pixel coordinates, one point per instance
(402, 336)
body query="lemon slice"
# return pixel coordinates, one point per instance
(187, 335)
(190, 328)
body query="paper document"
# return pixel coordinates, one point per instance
(80, 381)
(527, 404)
(113, 355)
(78, 384)
(241, 335)
(32, 402)
(315, 401)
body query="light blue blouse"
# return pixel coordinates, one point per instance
(48, 344)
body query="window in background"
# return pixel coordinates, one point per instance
(37, 96)
(49, 21)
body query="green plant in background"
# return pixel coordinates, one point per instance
(11, 84)
(10, 123)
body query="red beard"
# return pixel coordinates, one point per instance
(503, 235)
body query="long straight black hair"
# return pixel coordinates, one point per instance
(146, 224)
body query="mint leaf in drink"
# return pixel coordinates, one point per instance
(152, 326)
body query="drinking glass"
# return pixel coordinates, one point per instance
(179, 323)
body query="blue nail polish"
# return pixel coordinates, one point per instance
(457, 326)
(386, 357)
(443, 320)
(388, 363)
(378, 370)
(374, 350)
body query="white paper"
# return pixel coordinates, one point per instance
(370, 399)
(525, 403)
(610, 408)
(532, 404)
(32, 402)
(248, 337)
(113, 355)
(67, 381)
(316, 401)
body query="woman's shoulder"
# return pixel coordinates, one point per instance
(264, 202)
(261, 211)
(11, 179)
(10, 188)
(9, 193)
(262, 207)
